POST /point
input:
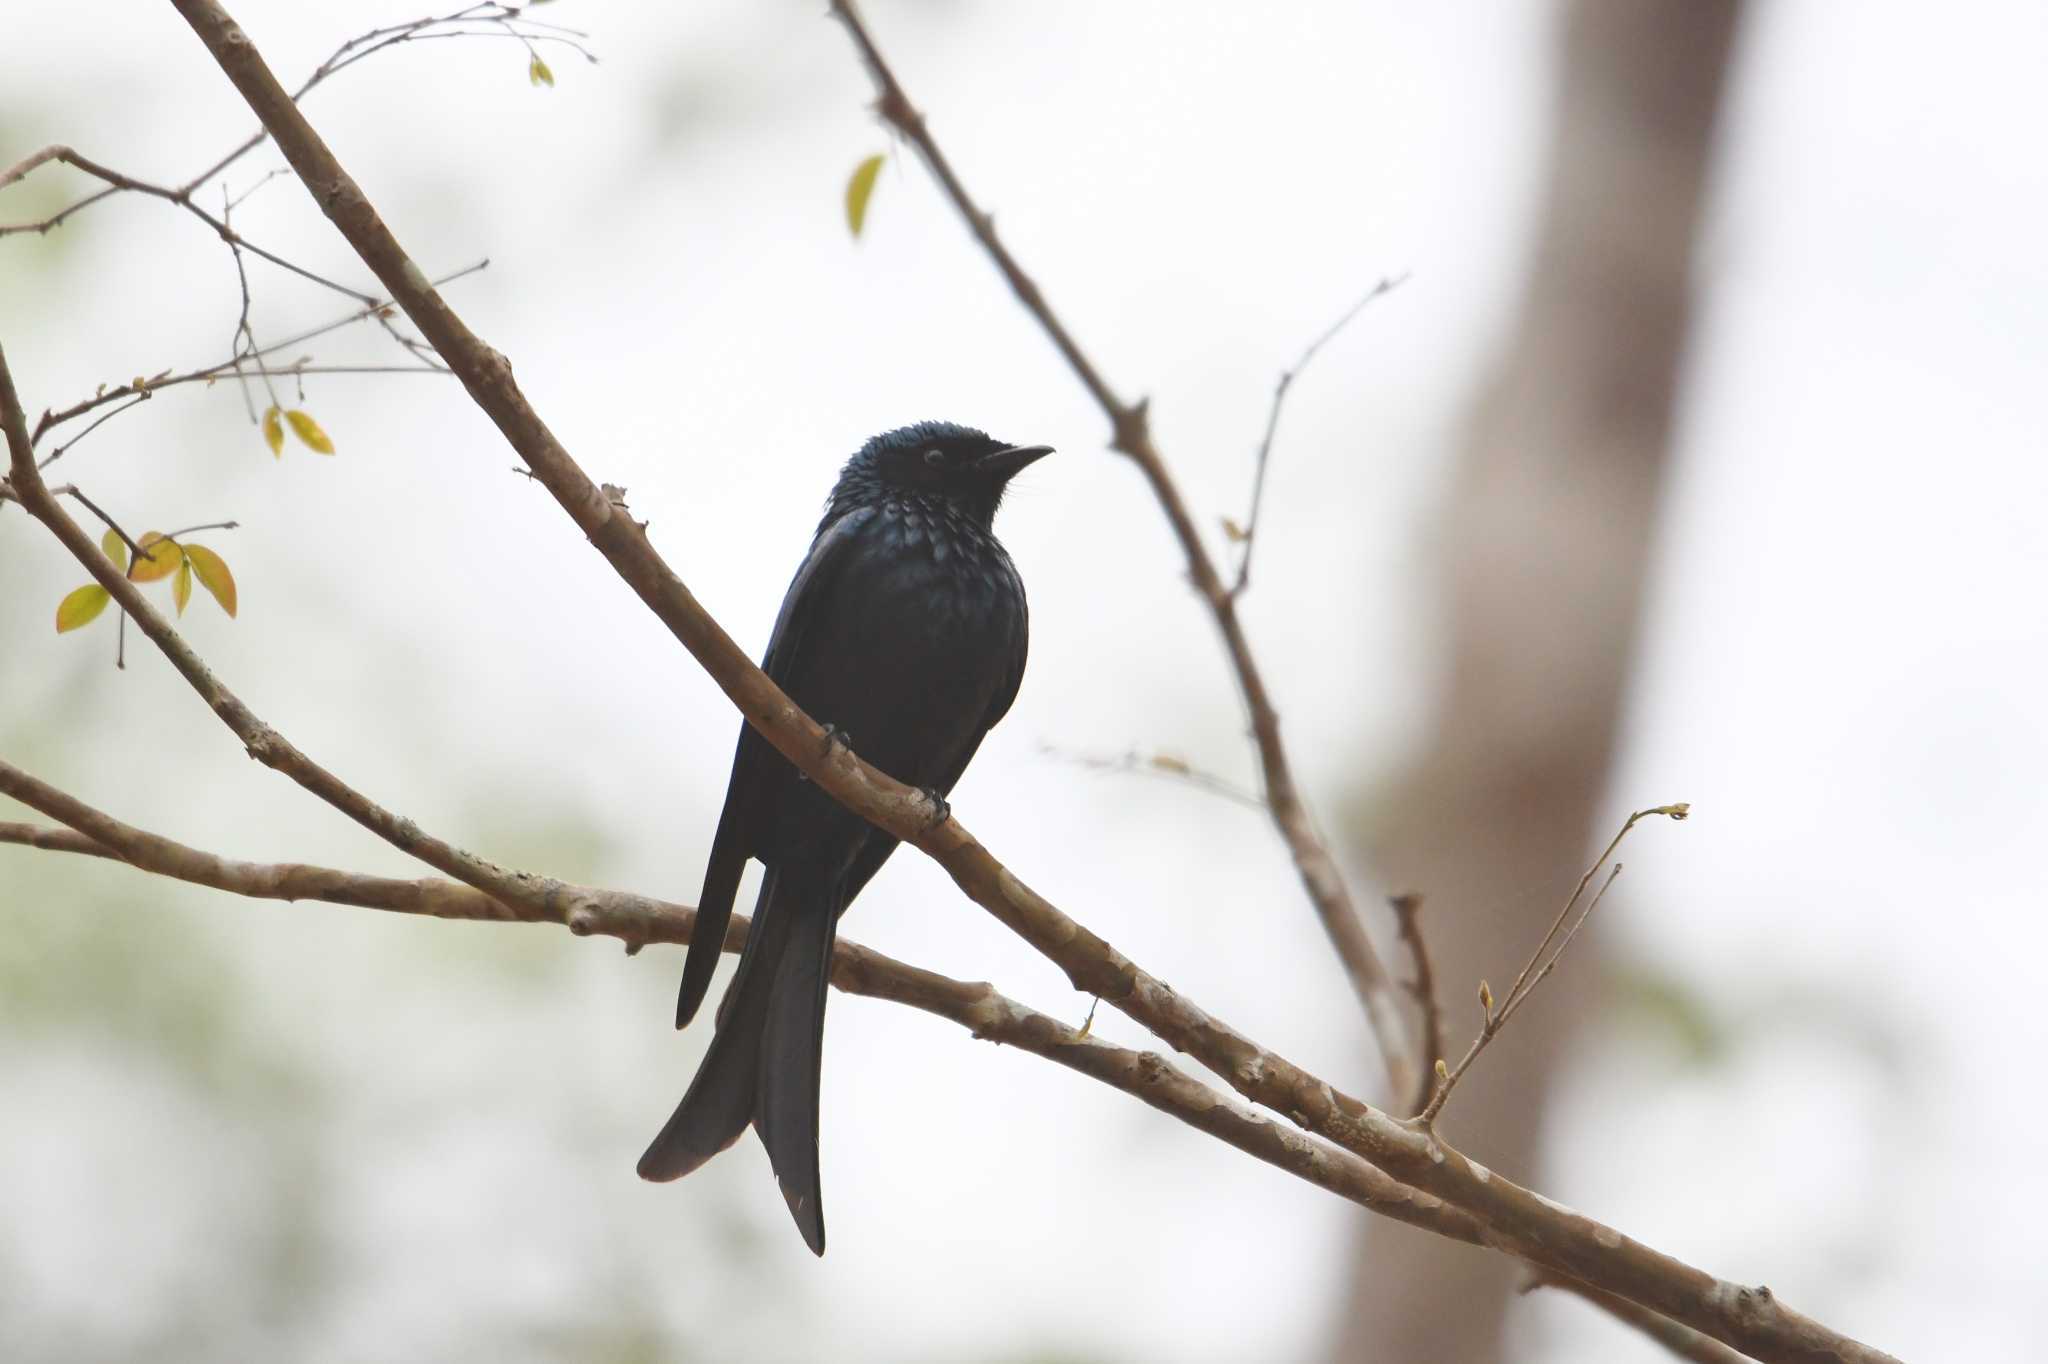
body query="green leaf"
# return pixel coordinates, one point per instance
(213, 575)
(181, 586)
(537, 72)
(273, 433)
(111, 546)
(79, 607)
(159, 559)
(308, 431)
(859, 190)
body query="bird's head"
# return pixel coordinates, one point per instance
(940, 460)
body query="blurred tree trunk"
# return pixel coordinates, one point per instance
(1544, 548)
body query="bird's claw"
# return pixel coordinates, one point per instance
(835, 737)
(942, 809)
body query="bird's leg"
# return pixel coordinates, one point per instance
(942, 809)
(835, 737)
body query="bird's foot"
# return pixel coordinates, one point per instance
(942, 809)
(835, 737)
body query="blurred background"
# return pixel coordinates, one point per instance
(1699, 459)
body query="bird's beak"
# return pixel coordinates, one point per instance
(1005, 463)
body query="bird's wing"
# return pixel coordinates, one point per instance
(811, 585)
(1014, 677)
(732, 844)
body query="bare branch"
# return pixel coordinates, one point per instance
(1492, 1020)
(71, 490)
(1407, 917)
(1248, 535)
(1131, 434)
(637, 920)
(259, 739)
(181, 198)
(145, 388)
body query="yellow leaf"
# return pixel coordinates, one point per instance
(308, 431)
(273, 433)
(181, 586)
(859, 190)
(111, 546)
(160, 558)
(537, 72)
(81, 606)
(213, 575)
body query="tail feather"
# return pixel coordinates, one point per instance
(720, 1101)
(714, 912)
(792, 1050)
(764, 1061)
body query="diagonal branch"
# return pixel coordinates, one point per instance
(1131, 433)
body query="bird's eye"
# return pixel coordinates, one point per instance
(935, 457)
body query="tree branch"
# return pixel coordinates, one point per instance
(1492, 1020)
(1131, 434)
(1407, 916)
(637, 920)
(1248, 534)
(144, 388)
(261, 741)
(117, 182)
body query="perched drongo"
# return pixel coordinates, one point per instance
(904, 631)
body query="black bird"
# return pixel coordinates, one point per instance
(905, 632)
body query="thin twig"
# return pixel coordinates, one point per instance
(172, 535)
(1131, 434)
(92, 426)
(135, 552)
(501, 20)
(1492, 1019)
(243, 343)
(117, 182)
(1248, 535)
(1407, 918)
(1162, 765)
(51, 420)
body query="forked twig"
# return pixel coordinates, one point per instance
(1538, 967)
(1247, 535)
(1407, 918)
